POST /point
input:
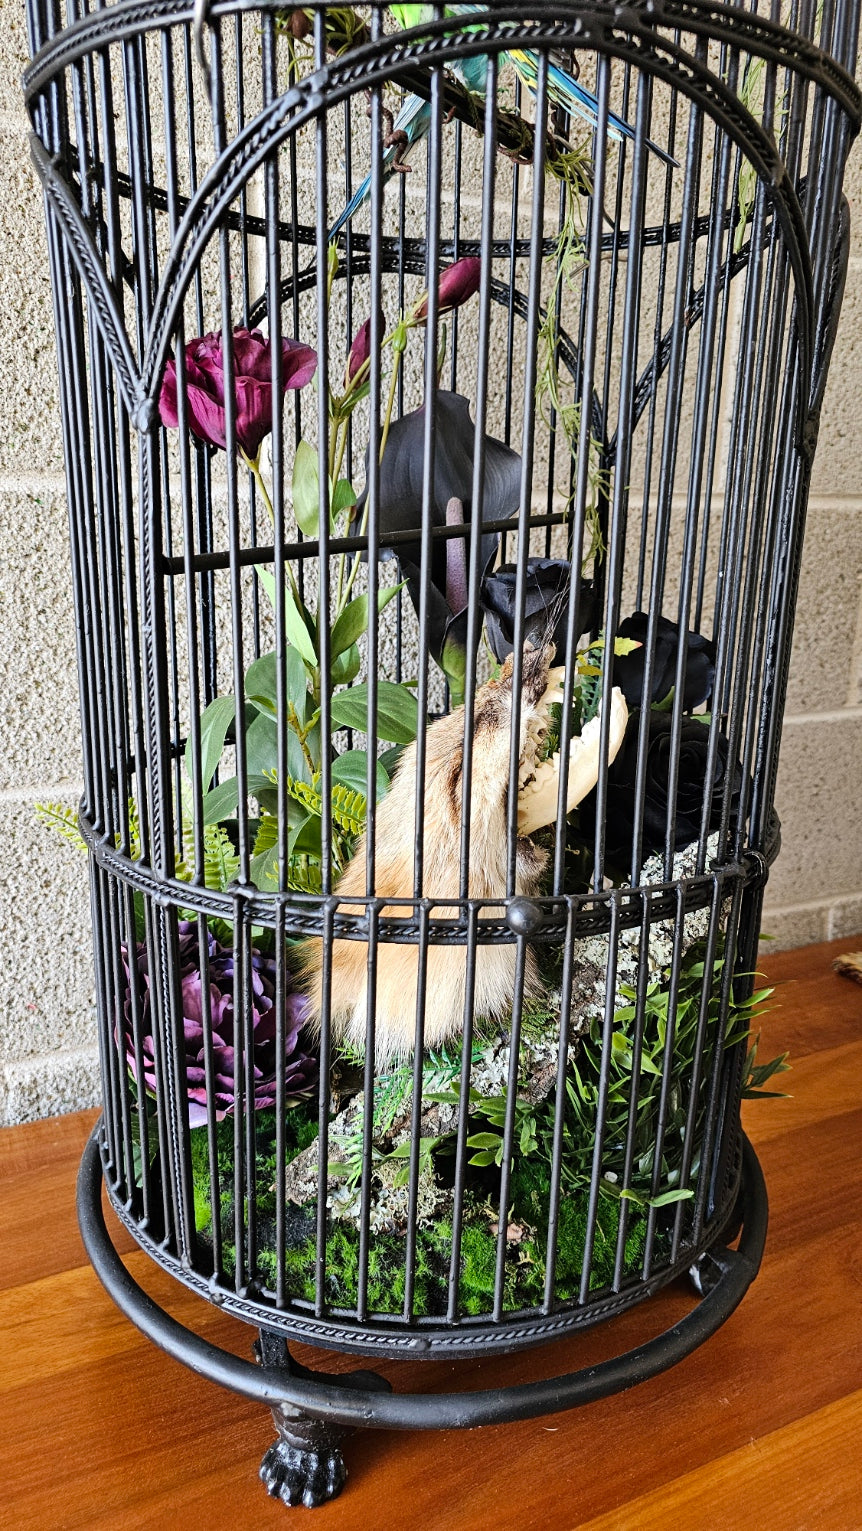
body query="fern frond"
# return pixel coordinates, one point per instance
(266, 838)
(304, 879)
(390, 1096)
(63, 820)
(348, 809)
(221, 863)
(307, 796)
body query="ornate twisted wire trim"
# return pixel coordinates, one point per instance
(389, 1335)
(85, 255)
(306, 914)
(726, 22)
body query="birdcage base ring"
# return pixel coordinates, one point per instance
(304, 1396)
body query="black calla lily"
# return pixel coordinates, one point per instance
(401, 475)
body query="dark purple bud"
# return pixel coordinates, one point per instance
(252, 386)
(457, 283)
(359, 351)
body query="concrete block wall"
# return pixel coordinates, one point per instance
(48, 1059)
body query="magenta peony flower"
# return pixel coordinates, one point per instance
(300, 1075)
(457, 283)
(252, 366)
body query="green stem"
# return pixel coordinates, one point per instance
(253, 465)
(387, 421)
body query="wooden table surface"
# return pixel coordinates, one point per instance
(759, 1430)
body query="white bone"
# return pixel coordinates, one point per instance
(537, 801)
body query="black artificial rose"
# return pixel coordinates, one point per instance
(690, 788)
(629, 668)
(546, 606)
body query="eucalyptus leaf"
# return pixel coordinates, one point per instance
(297, 683)
(222, 801)
(263, 870)
(303, 838)
(390, 758)
(261, 745)
(268, 582)
(342, 498)
(261, 683)
(667, 1197)
(353, 621)
(297, 631)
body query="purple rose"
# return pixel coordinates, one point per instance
(300, 1076)
(252, 381)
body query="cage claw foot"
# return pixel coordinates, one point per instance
(305, 1465)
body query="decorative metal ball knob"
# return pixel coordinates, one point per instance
(525, 916)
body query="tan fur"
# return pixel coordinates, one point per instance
(395, 839)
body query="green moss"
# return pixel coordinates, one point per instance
(478, 1267)
(524, 1271)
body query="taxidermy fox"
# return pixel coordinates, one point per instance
(395, 840)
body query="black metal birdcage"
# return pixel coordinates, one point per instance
(439, 390)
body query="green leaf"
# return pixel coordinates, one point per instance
(297, 631)
(485, 1157)
(215, 722)
(353, 621)
(390, 758)
(343, 496)
(346, 667)
(666, 1197)
(351, 769)
(261, 745)
(268, 582)
(453, 663)
(261, 682)
(303, 838)
(408, 16)
(222, 801)
(297, 683)
(397, 712)
(484, 1140)
(306, 489)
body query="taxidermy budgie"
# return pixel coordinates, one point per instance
(413, 121)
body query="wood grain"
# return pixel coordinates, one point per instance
(759, 1429)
